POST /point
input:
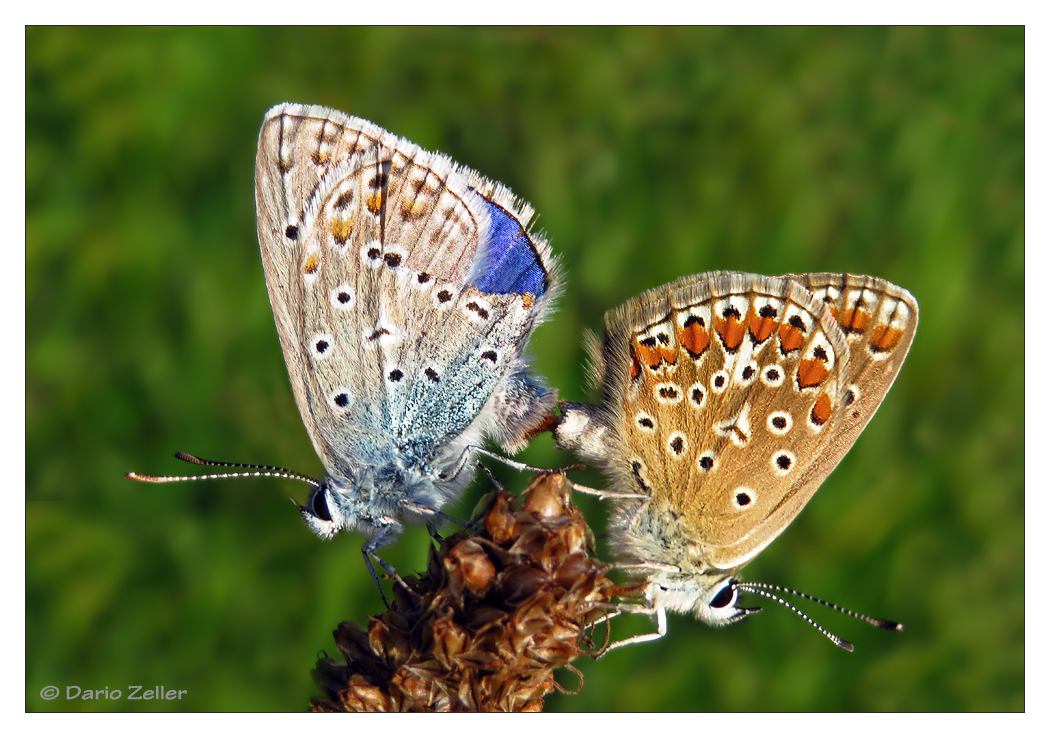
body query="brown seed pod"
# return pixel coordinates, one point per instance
(497, 611)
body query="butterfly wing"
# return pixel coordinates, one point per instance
(381, 262)
(879, 320)
(726, 394)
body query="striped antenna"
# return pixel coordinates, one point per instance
(261, 471)
(766, 590)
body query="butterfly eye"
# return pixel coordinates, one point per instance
(725, 597)
(319, 506)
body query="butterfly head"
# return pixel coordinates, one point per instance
(374, 502)
(711, 598)
(333, 508)
(323, 516)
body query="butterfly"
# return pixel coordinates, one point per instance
(404, 289)
(727, 398)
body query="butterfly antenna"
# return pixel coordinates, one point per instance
(756, 589)
(877, 622)
(261, 471)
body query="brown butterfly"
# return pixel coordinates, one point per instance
(727, 398)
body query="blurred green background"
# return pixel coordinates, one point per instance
(649, 154)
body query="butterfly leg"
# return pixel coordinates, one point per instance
(661, 625)
(601, 494)
(430, 514)
(608, 494)
(469, 450)
(372, 570)
(433, 532)
(382, 537)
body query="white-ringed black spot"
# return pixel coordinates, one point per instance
(748, 374)
(677, 444)
(772, 376)
(645, 422)
(707, 461)
(719, 381)
(342, 297)
(432, 375)
(395, 375)
(422, 278)
(321, 345)
(444, 297)
(372, 254)
(767, 311)
(475, 307)
(697, 395)
(392, 260)
(667, 393)
(490, 356)
(743, 497)
(291, 232)
(339, 399)
(779, 423)
(782, 462)
(796, 322)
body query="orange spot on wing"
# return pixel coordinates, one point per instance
(636, 369)
(821, 410)
(374, 202)
(311, 264)
(648, 355)
(885, 337)
(669, 354)
(731, 331)
(759, 327)
(811, 372)
(414, 209)
(791, 338)
(854, 320)
(341, 229)
(694, 337)
(526, 300)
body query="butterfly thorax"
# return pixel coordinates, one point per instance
(664, 544)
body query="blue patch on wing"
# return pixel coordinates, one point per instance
(511, 263)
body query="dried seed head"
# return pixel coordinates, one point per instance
(497, 611)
